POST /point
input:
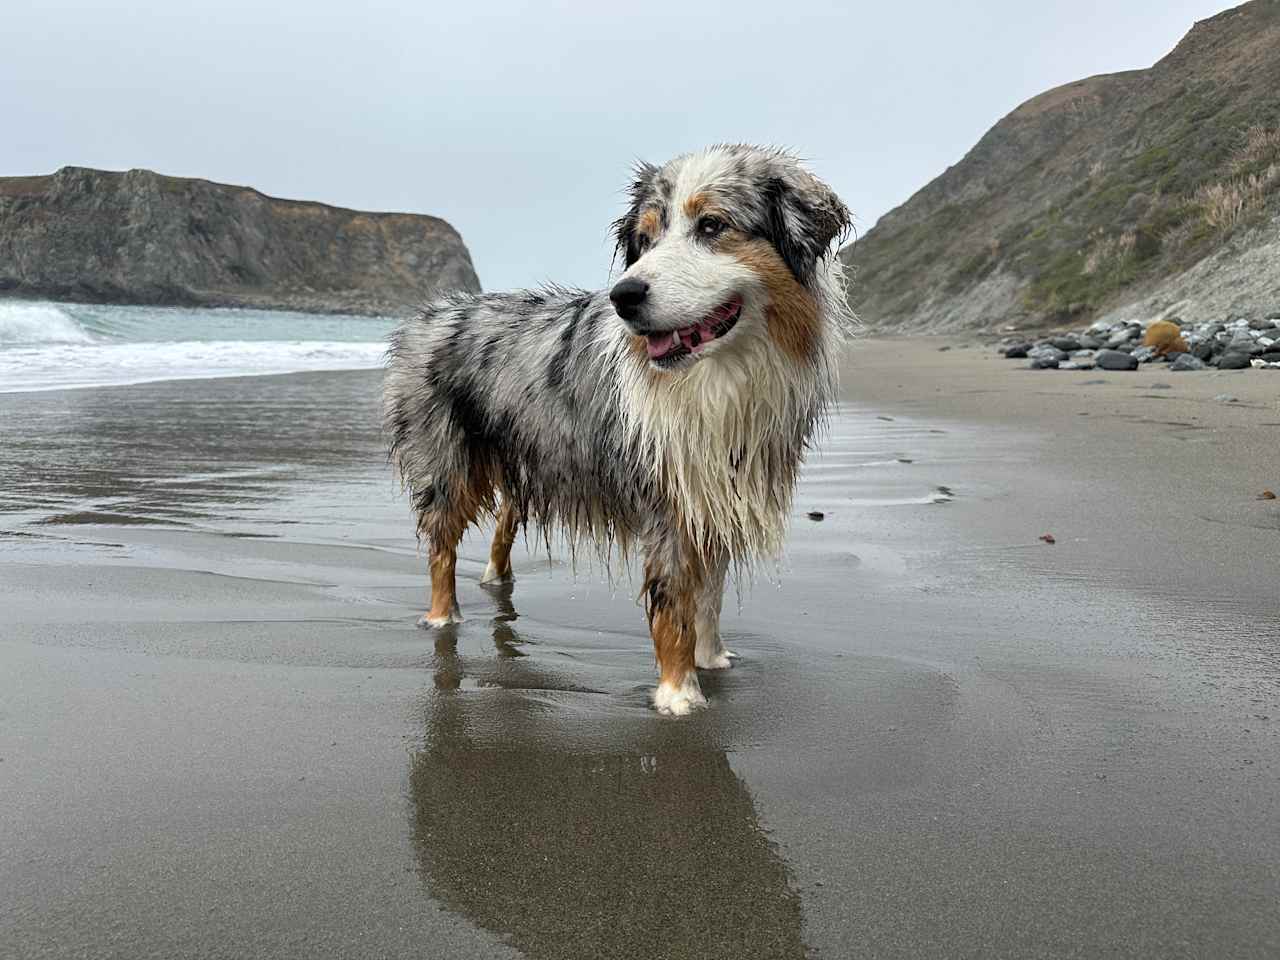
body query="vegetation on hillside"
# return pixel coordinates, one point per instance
(1088, 193)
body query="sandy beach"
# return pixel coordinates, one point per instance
(221, 734)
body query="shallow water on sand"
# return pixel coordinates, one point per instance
(934, 744)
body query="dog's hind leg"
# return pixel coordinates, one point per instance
(673, 580)
(444, 586)
(498, 570)
(709, 651)
(443, 527)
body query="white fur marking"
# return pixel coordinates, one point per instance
(677, 700)
(491, 575)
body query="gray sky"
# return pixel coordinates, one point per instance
(518, 122)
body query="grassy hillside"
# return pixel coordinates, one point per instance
(1090, 193)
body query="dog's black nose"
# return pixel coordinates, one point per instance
(627, 295)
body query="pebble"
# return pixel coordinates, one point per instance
(1226, 398)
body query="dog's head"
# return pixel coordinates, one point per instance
(721, 245)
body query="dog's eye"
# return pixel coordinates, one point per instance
(710, 226)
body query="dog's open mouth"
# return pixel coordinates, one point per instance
(671, 346)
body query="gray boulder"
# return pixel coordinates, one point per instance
(1233, 360)
(1186, 361)
(1115, 360)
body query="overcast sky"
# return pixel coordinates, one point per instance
(518, 122)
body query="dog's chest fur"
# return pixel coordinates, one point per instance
(726, 440)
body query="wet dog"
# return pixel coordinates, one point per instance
(669, 414)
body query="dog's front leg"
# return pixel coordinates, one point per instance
(673, 579)
(709, 651)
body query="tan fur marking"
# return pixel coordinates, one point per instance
(504, 535)
(674, 639)
(650, 223)
(444, 587)
(671, 618)
(696, 205)
(792, 315)
(445, 530)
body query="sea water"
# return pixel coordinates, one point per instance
(57, 346)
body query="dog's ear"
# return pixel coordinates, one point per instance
(803, 216)
(624, 228)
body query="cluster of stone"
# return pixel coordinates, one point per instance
(1231, 345)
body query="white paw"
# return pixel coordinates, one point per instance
(677, 700)
(716, 661)
(721, 658)
(454, 617)
(491, 575)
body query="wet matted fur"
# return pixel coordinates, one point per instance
(669, 414)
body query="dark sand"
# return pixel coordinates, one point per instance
(221, 735)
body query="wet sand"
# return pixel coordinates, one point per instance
(221, 735)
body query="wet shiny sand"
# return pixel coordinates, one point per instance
(221, 735)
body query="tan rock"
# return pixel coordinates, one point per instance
(1166, 337)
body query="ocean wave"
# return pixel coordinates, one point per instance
(33, 323)
(77, 365)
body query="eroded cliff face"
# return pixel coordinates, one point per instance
(141, 237)
(1094, 195)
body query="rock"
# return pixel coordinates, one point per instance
(1084, 363)
(1226, 398)
(1044, 363)
(1260, 324)
(1090, 343)
(1119, 340)
(1048, 352)
(816, 516)
(1271, 356)
(1016, 351)
(142, 238)
(1145, 354)
(1187, 361)
(1115, 360)
(1202, 350)
(1233, 360)
(1164, 337)
(1065, 343)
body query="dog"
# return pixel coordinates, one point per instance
(668, 415)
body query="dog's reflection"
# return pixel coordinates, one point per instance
(647, 847)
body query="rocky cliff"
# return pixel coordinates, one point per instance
(140, 237)
(1151, 190)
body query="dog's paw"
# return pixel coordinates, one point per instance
(721, 658)
(426, 621)
(491, 575)
(679, 699)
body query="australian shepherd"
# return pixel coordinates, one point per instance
(669, 414)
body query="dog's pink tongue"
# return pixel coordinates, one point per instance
(662, 344)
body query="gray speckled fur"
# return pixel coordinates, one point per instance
(518, 385)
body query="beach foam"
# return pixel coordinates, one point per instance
(30, 323)
(48, 346)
